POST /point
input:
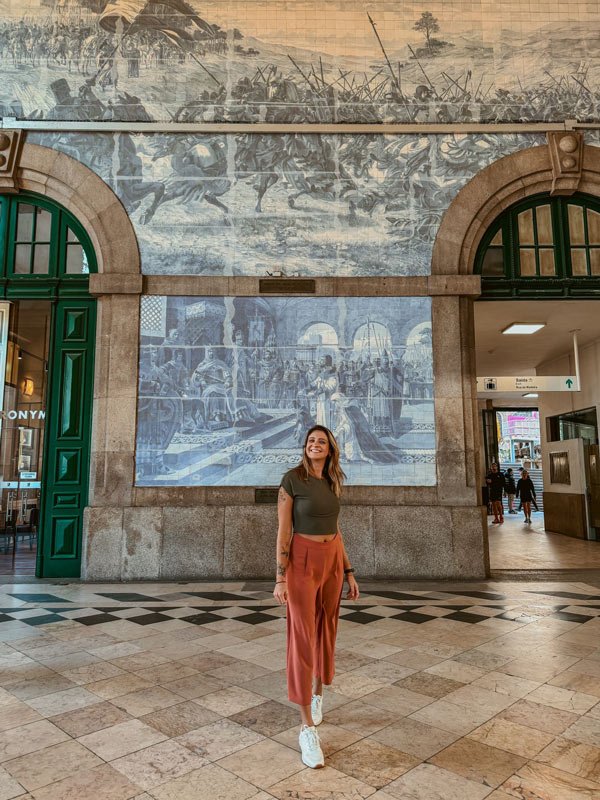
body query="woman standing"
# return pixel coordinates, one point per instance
(526, 492)
(311, 565)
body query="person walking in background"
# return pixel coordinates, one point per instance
(311, 566)
(510, 487)
(518, 479)
(526, 493)
(495, 482)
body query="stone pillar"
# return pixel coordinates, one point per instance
(116, 543)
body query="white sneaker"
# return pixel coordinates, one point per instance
(316, 709)
(310, 745)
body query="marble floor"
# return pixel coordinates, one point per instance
(515, 546)
(177, 692)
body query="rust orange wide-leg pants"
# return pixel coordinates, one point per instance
(315, 579)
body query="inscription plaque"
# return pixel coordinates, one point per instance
(266, 495)
(287, 286)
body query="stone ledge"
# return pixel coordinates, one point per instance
(114, 283)
(209, 496)
(462, 285)
(245, 286)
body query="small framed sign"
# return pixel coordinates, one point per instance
(27, 476)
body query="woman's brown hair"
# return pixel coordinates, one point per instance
(332, 471)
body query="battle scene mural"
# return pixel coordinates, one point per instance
(301, 61)
(301, 204)
(228, 387)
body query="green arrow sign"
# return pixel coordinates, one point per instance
(569, 383)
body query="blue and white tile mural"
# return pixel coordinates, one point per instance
(229, 386)
(300, 60)
(302, 204)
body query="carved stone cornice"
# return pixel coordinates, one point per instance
(11, 145)
(566, 154)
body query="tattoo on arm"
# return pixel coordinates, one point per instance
(282, 496)
(280, 570)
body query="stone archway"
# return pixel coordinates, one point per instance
(562, 167)
(59, 177)
(117, 285)
(506, 181)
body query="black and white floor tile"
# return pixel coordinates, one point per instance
(162, 691)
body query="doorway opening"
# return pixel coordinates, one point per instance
(512, 440)
(47, 336)
(537, 325)
(22, 430)
(552, 434)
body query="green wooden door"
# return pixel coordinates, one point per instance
(46, 254)
(67, 444)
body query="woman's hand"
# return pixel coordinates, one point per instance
(353, 593)
(280, 592)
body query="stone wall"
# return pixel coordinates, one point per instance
(236, 542)
(391, 218)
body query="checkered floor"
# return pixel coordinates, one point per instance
(178, 691)
(415, 608)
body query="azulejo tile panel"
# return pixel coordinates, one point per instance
(230, 385)
(302, 204)
(327, 61)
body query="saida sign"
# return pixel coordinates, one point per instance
(529, 383)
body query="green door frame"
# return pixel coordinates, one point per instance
(69, 401)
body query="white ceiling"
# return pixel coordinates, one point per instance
(501, 354)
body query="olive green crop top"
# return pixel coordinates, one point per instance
(316, 507)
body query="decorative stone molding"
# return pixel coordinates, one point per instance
(11, 144)
(495, 189)
(566, 152)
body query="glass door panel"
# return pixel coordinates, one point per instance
(25, 336)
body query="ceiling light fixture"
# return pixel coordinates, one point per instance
(524, 327)
(531, 394)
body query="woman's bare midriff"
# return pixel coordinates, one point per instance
(326, 537)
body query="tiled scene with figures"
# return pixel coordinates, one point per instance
(302, 204)
(229, 386)
(278, 61)
(177, 692)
